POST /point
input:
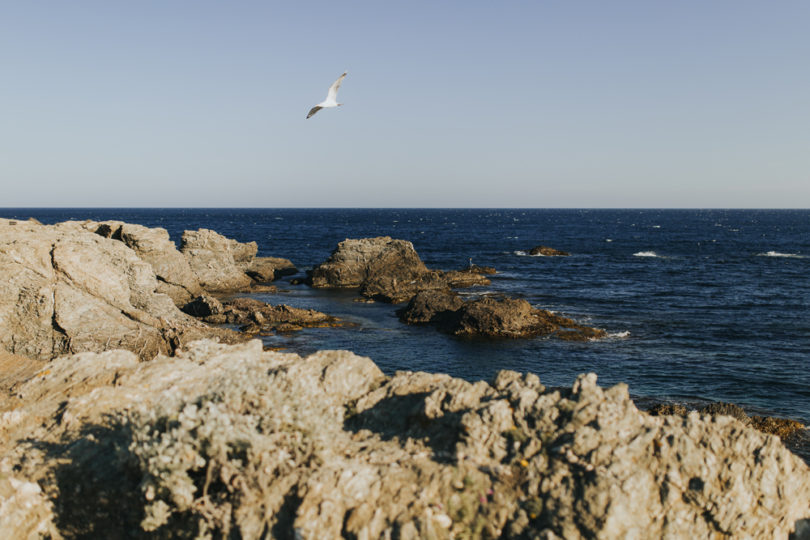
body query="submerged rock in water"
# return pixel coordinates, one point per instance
(546, 251)
(460, 279)
(231, 441)
(476, 269)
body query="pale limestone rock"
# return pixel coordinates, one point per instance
(237, 441)
(153, 245)
(67, 289)
(218, 262)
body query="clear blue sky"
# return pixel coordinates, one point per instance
(447, 104)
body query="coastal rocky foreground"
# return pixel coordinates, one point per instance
(230, 441)
(125, 412)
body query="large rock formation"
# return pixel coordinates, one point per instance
(390, 270)
(355, 261)
(386, 269)
(218, 262)
(153, 245)
(65, 289)
(231, 441)
(491, 317)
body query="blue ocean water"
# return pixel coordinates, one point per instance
(699, 304)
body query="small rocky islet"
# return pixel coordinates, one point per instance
(131, 409)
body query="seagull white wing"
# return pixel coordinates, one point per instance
(313, 110)
(332, 95)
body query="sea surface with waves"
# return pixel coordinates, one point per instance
(698, 304)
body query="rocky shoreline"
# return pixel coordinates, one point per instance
(120, 417)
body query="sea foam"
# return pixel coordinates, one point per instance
(646, 254)
(521, 253)
(777, 254)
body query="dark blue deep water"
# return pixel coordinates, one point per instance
(700, 304)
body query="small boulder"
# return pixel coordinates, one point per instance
(476, 269)
(266, 269)
(460, 279)
(545, 251)
(429, 306)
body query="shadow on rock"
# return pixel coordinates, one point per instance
(403, 417)
(93, 484)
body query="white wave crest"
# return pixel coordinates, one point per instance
(777, 254)
(521, 253)
(612, 335)
(646, 254)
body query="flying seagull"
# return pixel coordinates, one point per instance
(331, 97)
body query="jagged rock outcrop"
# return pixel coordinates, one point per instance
(153, 245)
(784, 428)
(69, 290)
(255, 316)
(355, 261)
(218, 262)
(491, 317)
(231, 441)
(546, 251)
(386, 269)
(266, 269)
